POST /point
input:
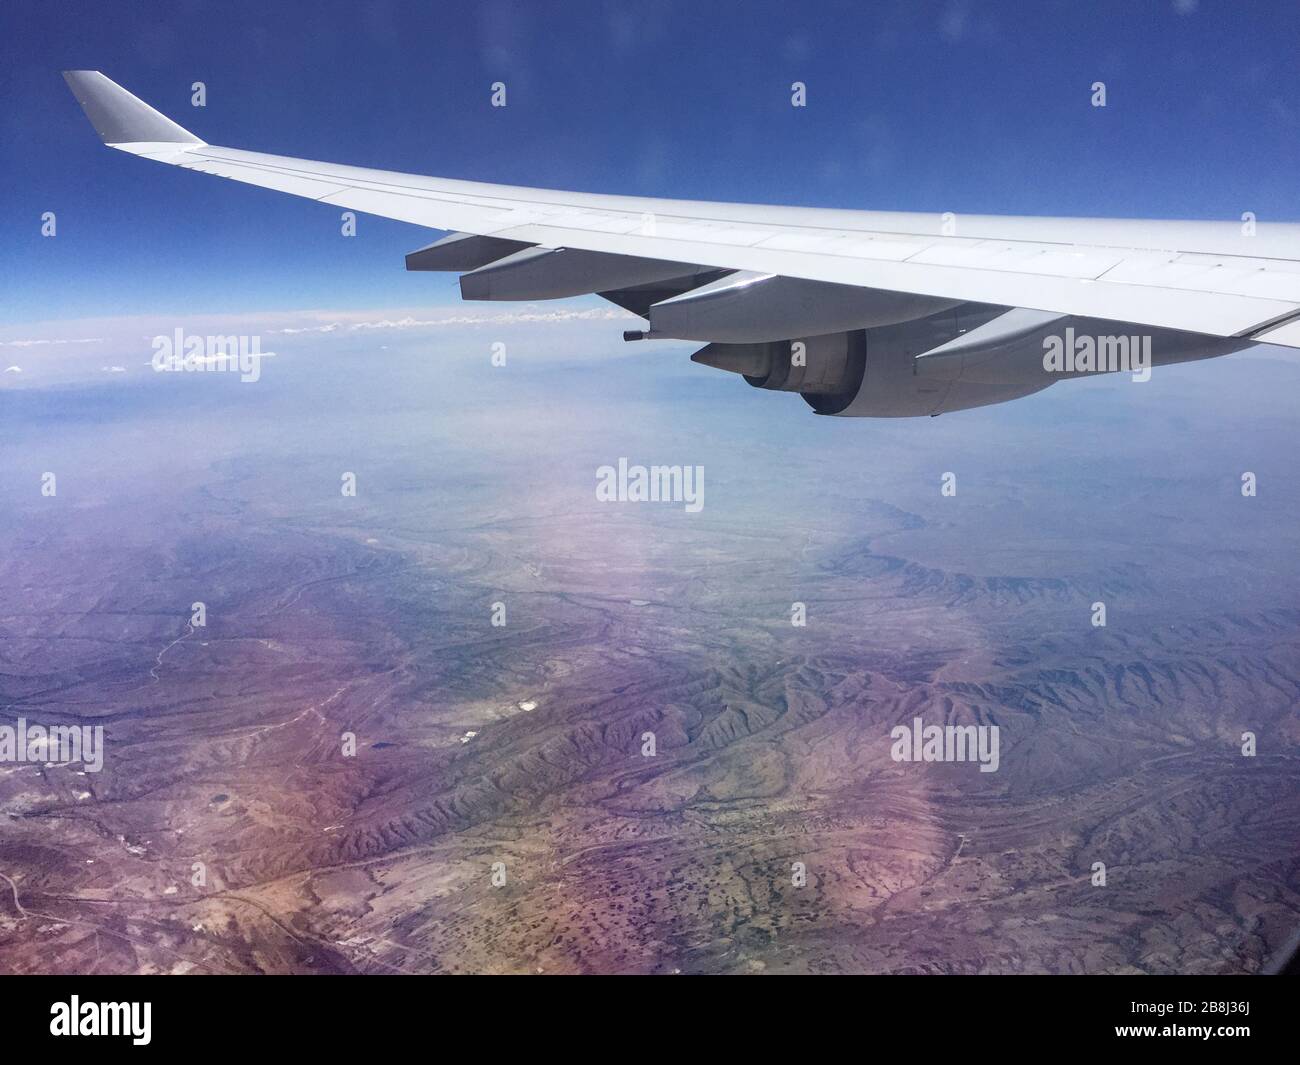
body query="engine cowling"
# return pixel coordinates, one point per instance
(973, 355)
(896, 384)
(867, 373)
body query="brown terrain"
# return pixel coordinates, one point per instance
(225, 744)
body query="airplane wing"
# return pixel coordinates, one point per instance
(1203, 277)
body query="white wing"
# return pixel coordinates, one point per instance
(1204, 277)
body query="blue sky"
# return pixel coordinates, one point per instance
(951, 105)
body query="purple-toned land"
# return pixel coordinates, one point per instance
(499, 814)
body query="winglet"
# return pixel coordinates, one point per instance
(119, 117)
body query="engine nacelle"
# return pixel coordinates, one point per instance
(893, 384)
(973, 355)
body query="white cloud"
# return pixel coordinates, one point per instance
(46, 340)
(597, 314)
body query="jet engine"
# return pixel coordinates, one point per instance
(971, 355)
